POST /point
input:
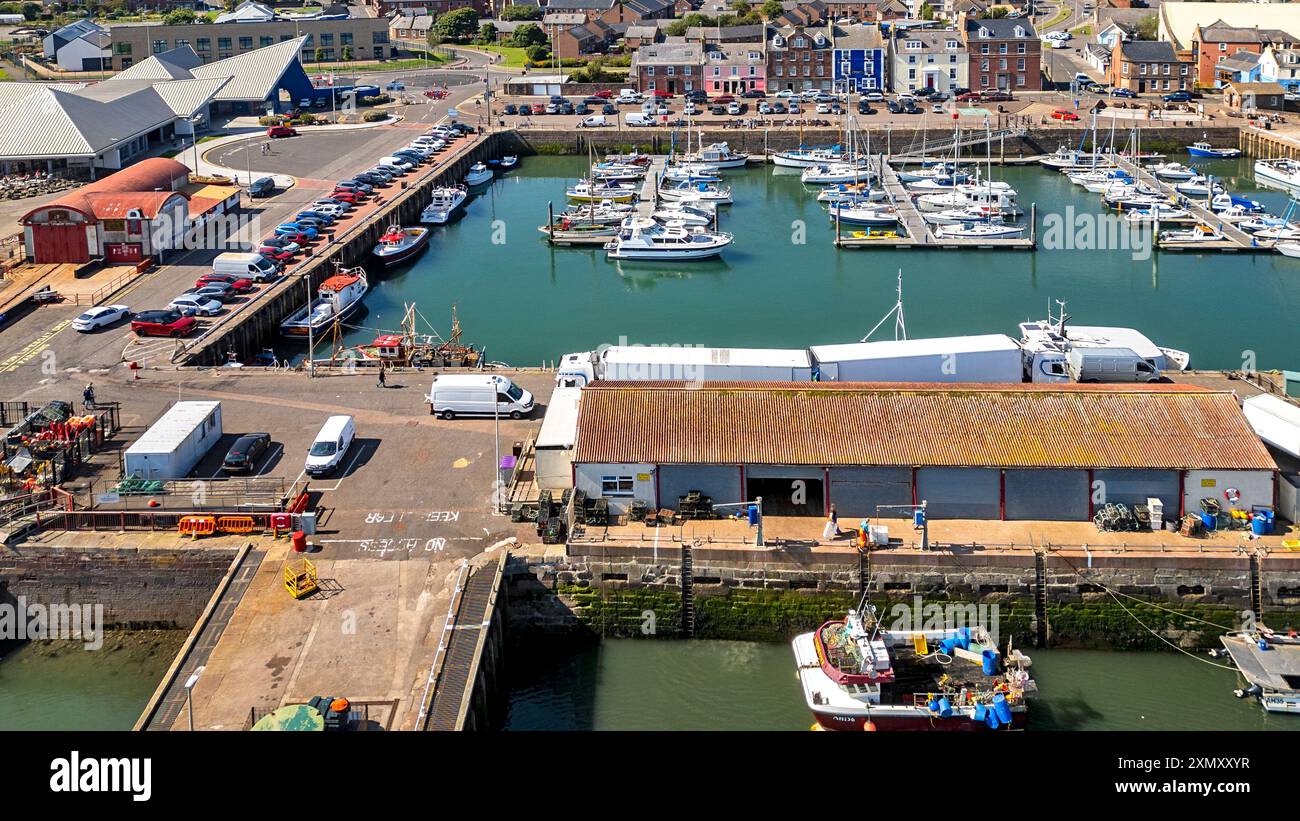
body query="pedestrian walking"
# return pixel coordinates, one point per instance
(832, 528)
(382, 383)
(88, 396)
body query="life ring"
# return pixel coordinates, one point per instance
(1232, 495)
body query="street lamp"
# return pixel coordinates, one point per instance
(189, 692)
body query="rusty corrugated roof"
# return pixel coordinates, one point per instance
(1074, 426)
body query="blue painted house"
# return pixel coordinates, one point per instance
(858, 58)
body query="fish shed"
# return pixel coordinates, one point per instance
(175, 443)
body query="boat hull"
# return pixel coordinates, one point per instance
(300, 331)
(894, 719)
(389, 258)
(655, 255)
(1217, 153)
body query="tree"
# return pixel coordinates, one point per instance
(927, 11)
(458, 25)
(347, 54)
(773, 9)
(1146, 28)
(529, 34)
(740, 7)
(487, 34)
(537, 54)
(319, 55)
(676, 28)
(31, 11)
(179, 17)
(518, 12)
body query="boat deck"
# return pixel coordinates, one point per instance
(1277, 668)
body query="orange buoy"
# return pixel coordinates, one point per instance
(153, 503)
(869, 727)
(339, 705)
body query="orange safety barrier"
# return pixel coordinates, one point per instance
(197, 526)
(235, 524)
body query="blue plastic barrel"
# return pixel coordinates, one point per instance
(753, 514)
(990, 662)
(933, 705)
(1263, 644)
(991, 719)
(918, 518)
(1001, 707)
(1209, 520)
(980, 710)
(945, 707)
(946, 646)
(963, 638)
(1258, 525)
(1270, 520)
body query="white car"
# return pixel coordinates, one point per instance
(733, 108)
(334, 209)
(873, 96)
(100, 317)
(690, 110)
(785, 93)
(823, 108)
(192, 305)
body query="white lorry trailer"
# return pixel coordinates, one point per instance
(624, 363)
(984, 358)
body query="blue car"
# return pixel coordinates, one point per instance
(285, 229)
(319, 216)
(1177, 97)
(1121, 92)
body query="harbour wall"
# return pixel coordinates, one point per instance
(754, 141)
(1059, 599)
(138, 589)
(254, 328)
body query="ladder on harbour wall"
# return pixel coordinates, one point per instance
(1256, 588)
(1040, 597)
(688, 592)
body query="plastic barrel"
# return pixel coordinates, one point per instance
(1209, 520)
(980, 710)
(990, 662)
(1002, 709)
(1258, 525)
(933, 705)
(299, 541)
(945, 707)
(1263, 644)
(946, 646)
(1269, 520)
(991, 719)
(963, 638)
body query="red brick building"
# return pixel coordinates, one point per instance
(1005, 55)
(1219, 41)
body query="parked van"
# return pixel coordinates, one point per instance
(594, 121)
(331, 445)
(1110, 365)
(638, 119)
(629, 95)
(453, 395)
(246, 266)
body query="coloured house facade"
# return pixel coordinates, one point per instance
(733, 68)
(671, 67)
(858, 59)
(1282, 66)
(1005, 55)
(799, 59)
(1149, 66)
(928, 58)
(1220, 42)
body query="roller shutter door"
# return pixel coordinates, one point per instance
(1133, 487)
(960, 493)
(720, 482)
(1050, 495)
(856, 492)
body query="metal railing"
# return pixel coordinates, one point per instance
(449, 623)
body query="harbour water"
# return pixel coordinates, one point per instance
(783, 284)
(631, 684)
(62, 686)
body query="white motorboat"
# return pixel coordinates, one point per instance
(398, 244)
(606, 173)
(960, 216)
(995, 194)
(446, 202)
(508, 162)
(1172, 171)
(1097, 182)
(1160, 212)
(840, 172)
(337, 298)
(479, 174)
(1288, 232)
(587, 191)
(1255, 223)
(1288, 249)
(688, 191)
(808, 157)
(1052, 336)
(1197, 233)
(682, 214)
(692, 171)
(717, 155)
(944, 170)
(1281, 173)
(1199, 186)
(874, 216)
(641, 238)
(979, 230)
(850, 192)
(1064, 158)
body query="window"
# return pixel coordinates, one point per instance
(1223, 46)
(952, 58)
(263, 42)
(616, 486)
(159, 46)
(984, 48)
(327, 39)
(650, 71)
(951, 44)
(670, 71)
(798, 42)
(1020, 80)
(223, 42)
(1020, 64)
(245, 42)
(914, 45)
(379, 36)
(911, 59)
(1020, 48)
(345, 38)
(911, 74)
(203, 44)
(780, 71)
(182, 43)
(121, 48)
(1002, 48)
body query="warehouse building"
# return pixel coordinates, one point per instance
(970, 451)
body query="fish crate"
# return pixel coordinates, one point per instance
(580, 502)
(695, 505)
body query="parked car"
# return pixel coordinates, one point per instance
(372, 179)
(785, 94)
(996, 96)
(968, 97)
(873, 96)
(1122, 92)
(162, 323)
(239, 285)
(724, 98)
(864, 107)
(347, 196)
(220, 291)
(753, 94)
(320, 217)
(938, 96)
(779, 108)
(603, 94)
(281, 131)
(893, 106)
(282, 244)
(192, 305)
(1064, 115)
(244, 453)
(582, 109)
(1177, 97)
(354, 185)
(261, 187)
(100, 317)
(525, 110)
(395, 85)
(795, 108)
(764, 108)
(609, 108)
(295, 232)
(823, 108)
(717, 110)
(510, 108)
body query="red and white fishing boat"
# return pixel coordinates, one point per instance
(399, 244)
(856, 675)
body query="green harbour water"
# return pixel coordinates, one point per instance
(783, 284)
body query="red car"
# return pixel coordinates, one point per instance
(281, 131)
(298, 236)
(662, 95)
(275, 254)
(1064, 116)
(968, 97)
(724, 99)
(603, 94)
(162, 323)
(347, 195)
(237, 284)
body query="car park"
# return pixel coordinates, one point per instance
(100, 317)
(162, 323)
(193, 305)
(244, 453)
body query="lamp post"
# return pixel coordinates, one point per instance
(189, 693)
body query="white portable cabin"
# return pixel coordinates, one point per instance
(985, 358)
(175, 443)
(554, 445)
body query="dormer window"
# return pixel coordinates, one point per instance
(778, 41)
(984, 32)
(799, 42)
(820, 40)
(952, 44)
(1020, 31)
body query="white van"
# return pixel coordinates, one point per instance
(331, 445)
(629, 95)
(246, 265)
(453, 395)
(594, 121)
(638, 119)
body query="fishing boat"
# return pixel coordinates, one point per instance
(587, 191)
(839, 172)
(1281, 173)
(1268, 661)
(1197, 233)
(992, 229)
(398, 244)
(857, 675)
(479, 174)
(1202, 148)
(337, 298)
(447, 200)
(690, 191)
(1172, 171)
(410, 348)
(641, 238)
(1053, 335)
(869, 215)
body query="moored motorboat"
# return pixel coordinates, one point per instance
(845, 192)
(1197, 233)
(445, 203)
(870, 215)
(853, 171)
(717, 155)
(807, 157)
(478, 174)
(1160, 212)
(585, 191)
(689, 191)
(337, 298)
(993, 229)
(641, 238)
(1202, 148)
(683, 214)
(1281, 173)
(508, 162)
(1172, 171)
(399, 243)
(1052, 335)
